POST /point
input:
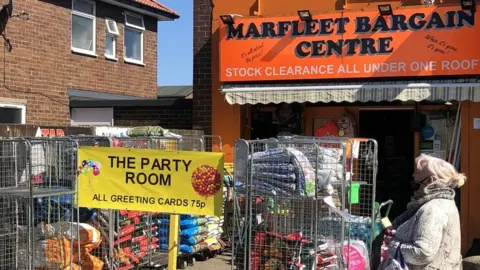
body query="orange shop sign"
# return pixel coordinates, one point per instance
(425, 41)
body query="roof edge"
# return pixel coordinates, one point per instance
(160, 15)
(164, 102)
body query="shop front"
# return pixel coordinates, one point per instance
(408, 80)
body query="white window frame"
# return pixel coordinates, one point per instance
(22, 107)
(109, 33)
(88, 16)
(141, 30)
(113, 32)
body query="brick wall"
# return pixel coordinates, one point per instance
(175, 117)
(202, 65)
(42, 67)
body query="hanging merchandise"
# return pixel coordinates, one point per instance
(329, 129)
(356, 255)
(346, 125)
(288, 118)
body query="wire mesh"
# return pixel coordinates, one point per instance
(96, 141)
(290, 202)
(141, 238)
(192, 143)
(37, 204)
(363, 225)
(213, 143)
(362, 165)
(198, 234)
(102, 251)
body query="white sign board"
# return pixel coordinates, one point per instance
(476, 123)
(111, 131)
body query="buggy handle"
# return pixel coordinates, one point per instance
(389, 203)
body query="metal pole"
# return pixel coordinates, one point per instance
(173, 241)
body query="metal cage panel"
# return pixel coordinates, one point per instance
(293, 201)
(37, 203)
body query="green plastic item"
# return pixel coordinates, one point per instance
(354, 191)
(378, 215)
(145, 131)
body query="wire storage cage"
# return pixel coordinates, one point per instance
(141, 238)
(292, 203)
(199, 235)
(96, 221)
(278, 204)
(37, 203)
(362, 206)
(138, 239)
(362, 165)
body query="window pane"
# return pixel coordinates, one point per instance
(112, 27)
(109, 42)
(82, 6)
(133, 45)
(134, 21)
(10, 116)
(82, 33)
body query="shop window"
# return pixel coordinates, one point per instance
(437, 133)
(133, 38)
(83, 27)
(12, 114)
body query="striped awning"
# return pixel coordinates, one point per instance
(431, 90)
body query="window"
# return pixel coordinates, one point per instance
(91, 116)
(83, 26)
(134, 28)
(12, 114)
(110, 38)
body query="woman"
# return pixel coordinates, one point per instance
(428, 233)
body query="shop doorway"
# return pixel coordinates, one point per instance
(392, 129)
(270, 121)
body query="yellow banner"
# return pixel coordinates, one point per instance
(151, 180)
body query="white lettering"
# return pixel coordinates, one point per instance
(368, 68)
(299, 70)
(244, 72)
(460, 64)
(348, 69)
(423, 66)
(384, 67)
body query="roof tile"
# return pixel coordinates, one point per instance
(157, 5)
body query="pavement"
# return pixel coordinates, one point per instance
(219, 263)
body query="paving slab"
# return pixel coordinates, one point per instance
(218, 263)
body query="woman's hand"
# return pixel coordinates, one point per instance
(389, 236)
(388, 239)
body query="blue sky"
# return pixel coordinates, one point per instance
(175, 45)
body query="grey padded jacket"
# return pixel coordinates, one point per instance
(431, 238)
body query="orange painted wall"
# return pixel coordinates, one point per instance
(226, 118)
(470, 162)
